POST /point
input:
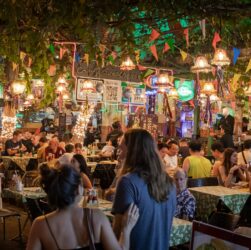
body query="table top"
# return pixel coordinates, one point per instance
(29, 192)
(220, 190)
(19, 157)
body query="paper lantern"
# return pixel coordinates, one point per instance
(220, 58)
(201, 65)
(18, 86)
(208, 88)
(127, 64)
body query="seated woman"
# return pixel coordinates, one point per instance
(186, 204)
(79, 163)
(70, 226)
(108, 150)
(229, 171)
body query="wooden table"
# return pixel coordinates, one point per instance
(207, 198)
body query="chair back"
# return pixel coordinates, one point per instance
(224, 220)
(200, 182)
(29, 177)
(245, 214)
(33, 208)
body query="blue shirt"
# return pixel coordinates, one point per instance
(152, 230)
(185, 205)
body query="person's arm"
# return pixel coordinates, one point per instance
(34, 242)
(86, 181)
(226, 179)
(108, 238)
(186, 165)
(244, 176)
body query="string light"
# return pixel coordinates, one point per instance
(8, 126)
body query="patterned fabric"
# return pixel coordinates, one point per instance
(208, 197)
(22, 162)
(185, 205)
(181, 232)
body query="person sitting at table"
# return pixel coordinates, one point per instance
(196, 165)
(230, 171)
(14, 146)
(244, 157)
(107, 150)
(171, 158)
(163, 149)
(70, 226)
(53, 151)
(185, 200)
(26, 141)
(217, 150)
(35, 143)
(67, 156)
(79, 163)
(184, 148)
(78, 148)
(43, 144)
(115, 133)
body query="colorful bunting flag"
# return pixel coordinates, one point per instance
(29, 62)
(148, 73)
(154, 35)
(234, 84)
(52, 48)
(183, 55)
(86, 58)
(166, 47)
(14, 66)
(22, 55)
(62, 52)
(77, 57)
(52, 70)
(216, 39)
(141, 68)
(137, 56)
(236, 54)
(203, 27)
(114, 54)
(154, 52)
(186, 33)
(249, 66)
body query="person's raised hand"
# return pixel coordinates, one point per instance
(130, 217)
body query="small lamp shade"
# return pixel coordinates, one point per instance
(220, 58)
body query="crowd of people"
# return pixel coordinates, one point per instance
(150, 187)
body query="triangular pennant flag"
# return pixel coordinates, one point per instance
(14, 66)
(203, 27)
(52, 70)
(77, 57)
(236, 54)
(171, 43)
(191, 102)
(249, 66)
(22, 55)
(154, 52)
(62, 52)
(86, 58)
(52, 48)
(148, 73)
(137, 56)
(154, 35)
(29, 62)
(114, 54)
(102, 49)
(234, 84)
(216, 39)
(111, 59)
(166, 47)
(186, 33)
(183, 55)
(141, 68)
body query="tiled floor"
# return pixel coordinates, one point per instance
(12, 230)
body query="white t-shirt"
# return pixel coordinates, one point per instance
(247, 154)
(171, 162)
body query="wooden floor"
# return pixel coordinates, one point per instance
(12, 230)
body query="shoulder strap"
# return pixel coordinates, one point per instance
(47, 222)
(244, 158)
(88, 214)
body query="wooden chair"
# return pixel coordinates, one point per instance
(5, 214)
(29, 177)
(224, 220)
(200, 182)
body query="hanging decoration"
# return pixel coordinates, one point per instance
(166, 47)
(8, 126)
(236, 52)
(127, 64)
(201, 65)
(173, 93)
(203, 27)
(154, 52)
(208, 88)
(220, 58)
(19, 85)
(216, 39)
(186, 33)
(154, 35)
(249, 66)
(183, 55)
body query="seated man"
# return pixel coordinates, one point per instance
(171, 158)
(41, 150)
(107, 150)
(53, 151)
(196, 165)
(14, 146)
(185, 208)
(26, 141)
(217, 150)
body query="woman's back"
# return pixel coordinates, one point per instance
(154, 224)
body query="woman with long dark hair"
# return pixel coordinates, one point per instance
(229, 171)
(145, 183)
(79, 163)
(71, 226)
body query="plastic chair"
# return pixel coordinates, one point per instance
(200, 182)
(224, 220)
(4, 214)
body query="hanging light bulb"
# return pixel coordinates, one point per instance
(18, 86)
(208, 88)
(220, 58)
(127, 64)
(60, 88)
(163, 79)
(173, 93)
(201, 65)
(214, 98)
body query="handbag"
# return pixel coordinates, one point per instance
(88, 215)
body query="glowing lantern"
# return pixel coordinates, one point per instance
(201, 65)
(88, 86)
(18, 86)
(61, 88)
(220, 58)
(163, 79)
(208, 88)
(66, 96)
(127, 64)
(30, 97)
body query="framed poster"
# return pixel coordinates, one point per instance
(133, 93)
(205, 236)
(96, 95)
(112, 91)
